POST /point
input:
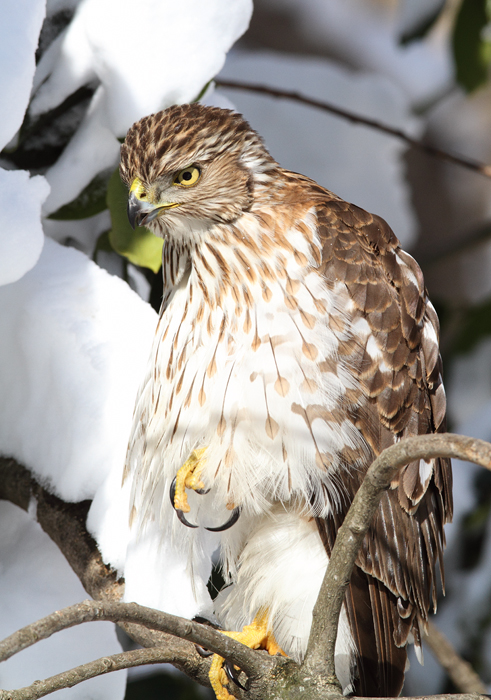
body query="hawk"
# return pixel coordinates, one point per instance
(295, 342)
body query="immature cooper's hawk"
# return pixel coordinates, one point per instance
(295, 342)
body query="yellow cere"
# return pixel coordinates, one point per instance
(138, 188)
(187, 177)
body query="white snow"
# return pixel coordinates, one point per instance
(412, 14)
(21, 236)
(21, 232)
(364, 34)
(75, 341)
(357, 163)
(93, 148)
(19, 32)
(35, 580)
(462, 124)
(470, 396)
(146, 58)
(80, 233)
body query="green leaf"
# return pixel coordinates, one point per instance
(140, 246)
(91, 201)
(471, 44)
(203, 91)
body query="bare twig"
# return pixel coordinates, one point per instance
(459, 671)
(463, 161)
(320, 652)
(90, 611)
(106, 664)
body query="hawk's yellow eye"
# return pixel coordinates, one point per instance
(187, 177)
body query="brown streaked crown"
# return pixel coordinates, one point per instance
(184, 134)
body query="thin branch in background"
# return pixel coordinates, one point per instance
(463, 161)
(459, 671)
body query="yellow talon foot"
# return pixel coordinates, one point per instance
(255, 636)
(189, 477)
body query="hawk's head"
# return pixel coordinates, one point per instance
(190, 164)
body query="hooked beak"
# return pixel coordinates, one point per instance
(142, 213)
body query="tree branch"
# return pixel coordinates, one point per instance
(463, 161)
(106, 664)
(320, 652)
(459, 671)
(64, 523)
(443, 696)
(272, 678)
(90, 611)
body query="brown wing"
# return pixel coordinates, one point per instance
(401, 394)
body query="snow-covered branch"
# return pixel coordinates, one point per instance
(166, 634)
(65, 524)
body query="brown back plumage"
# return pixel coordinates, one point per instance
(394, 583)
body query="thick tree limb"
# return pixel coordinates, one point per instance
(64, 523)
(463, 161)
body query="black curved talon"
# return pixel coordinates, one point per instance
(179, 513)
(183, 518)
(202, 492)
(232, 674)
(203, 652)
(231, 521)
(208, 623)
(172, 492)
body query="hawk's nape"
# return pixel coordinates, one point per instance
(295, 342)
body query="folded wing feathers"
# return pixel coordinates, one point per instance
(394, 581)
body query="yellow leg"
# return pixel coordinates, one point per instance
(189, 477)
(256, 636)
